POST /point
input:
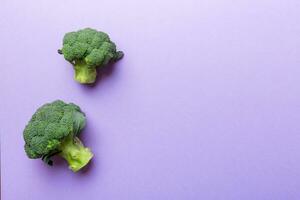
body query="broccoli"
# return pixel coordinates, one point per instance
(53, 129)
(87, 50)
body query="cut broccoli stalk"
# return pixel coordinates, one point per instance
(77, 155)
(84, 73)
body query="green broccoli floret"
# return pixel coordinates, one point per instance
(53, 129)
(87, 50)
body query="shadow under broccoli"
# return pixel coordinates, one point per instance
(87, 50)
(53, 130)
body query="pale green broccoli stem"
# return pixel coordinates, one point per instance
(84, 73)
(75, 153)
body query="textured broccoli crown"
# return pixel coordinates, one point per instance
(49, 126)
(91, 46)
(88, 49)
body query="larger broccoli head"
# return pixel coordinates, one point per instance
(53, 129)
(88, 49)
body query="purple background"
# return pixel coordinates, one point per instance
(204, 105)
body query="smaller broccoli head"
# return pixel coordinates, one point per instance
(53, 129)
(88, 49)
